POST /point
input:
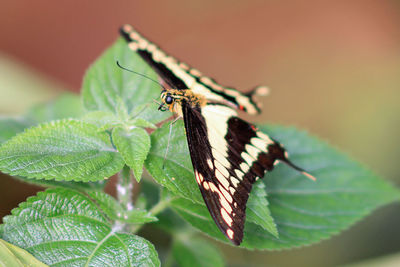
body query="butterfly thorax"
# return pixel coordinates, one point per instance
(173, 99)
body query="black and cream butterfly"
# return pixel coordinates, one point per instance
(228, 154)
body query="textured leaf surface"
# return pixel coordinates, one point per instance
(304, 211)
(115, 210)
(177, 173)
(257, 209)
(196, 253)
(105, 83)
(134, 145)
(80, 186)
(62, 227)
(61, 150)
(9, 127)
(12, 256)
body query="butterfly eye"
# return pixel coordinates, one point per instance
(168, 99)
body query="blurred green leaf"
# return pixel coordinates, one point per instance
(304, 211)
(195, 252)
(65, 106)
(65, 228)
(105, 83)
(61, 150)
(13, 256)
(134, 145)
(139, 122)
(9, 127)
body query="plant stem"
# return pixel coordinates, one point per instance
(124, 188)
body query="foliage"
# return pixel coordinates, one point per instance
(74, 151)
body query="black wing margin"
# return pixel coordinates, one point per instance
(227, 166)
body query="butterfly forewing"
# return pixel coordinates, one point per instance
(179, 75)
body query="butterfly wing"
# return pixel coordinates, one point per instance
(228, 155)
(179, 75)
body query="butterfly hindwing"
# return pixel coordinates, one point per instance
(179, 75)
(228, 156)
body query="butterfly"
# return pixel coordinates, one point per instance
(228, 154)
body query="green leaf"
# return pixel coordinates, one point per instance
(198, 216)
(177, 174)
(139, 122)
(65, 228)
(105, 83)
(104, 120)
(257, 210)
(307, 211)
(134, 145)
(9, 127)
(304, 211)
(150, 112)
(115, 211)
(195, 252)
(61, 150)
(11, 255)
(80, 186)
(65, 106)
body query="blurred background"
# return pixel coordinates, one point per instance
(333, 68)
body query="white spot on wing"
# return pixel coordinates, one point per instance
(216, 118)
(195, 72)
(232, 190)
(226, 217)
(247, 158)
(265, 137)
(239, 174)
(252, 151)
(133, 46)
(244, 167)
(230, 233)
(199, 177)
(206, 185)
(220, 158)
(210, 164)
(225, 193)
(259, 143)
(222, 179)
(225, 204)
(222, 169)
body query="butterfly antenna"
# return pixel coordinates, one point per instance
(140, 74)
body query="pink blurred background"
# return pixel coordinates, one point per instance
(333, 68)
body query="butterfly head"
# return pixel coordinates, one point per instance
(169, 101)
(172, 100)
